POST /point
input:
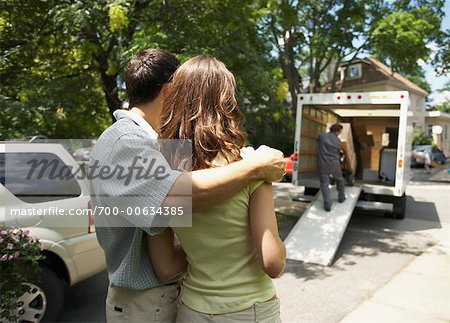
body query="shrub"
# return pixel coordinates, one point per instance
(420, 138)
(20, 254)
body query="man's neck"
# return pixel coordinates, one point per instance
(149, 113)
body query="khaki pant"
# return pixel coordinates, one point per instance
(158, 304)
(267, 312)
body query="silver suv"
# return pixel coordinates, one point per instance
(66, 228)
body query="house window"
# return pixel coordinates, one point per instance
(354, 71)
(430, 130)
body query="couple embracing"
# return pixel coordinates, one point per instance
(221, 269)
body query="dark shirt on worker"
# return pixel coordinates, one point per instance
(328, 150)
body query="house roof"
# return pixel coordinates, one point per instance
(397, 77)
(387, 76)
(438, 114)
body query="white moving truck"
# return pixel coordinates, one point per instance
(380, 122)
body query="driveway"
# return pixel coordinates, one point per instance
(373, 250)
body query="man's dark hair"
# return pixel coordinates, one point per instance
(336, 127)
(147, 73)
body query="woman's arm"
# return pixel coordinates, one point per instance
(271, 250)
(168, 260)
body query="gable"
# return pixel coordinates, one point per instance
(373, 72)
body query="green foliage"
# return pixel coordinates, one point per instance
(48, 86)
(420, 138)
(62, 62)
(402, 37)
(442, 58)
(20, 254)
(420, 81)
(446, 87)
(118, 20)
(443, 106)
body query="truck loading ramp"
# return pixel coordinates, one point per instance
(316, 236)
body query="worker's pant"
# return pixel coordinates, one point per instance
(324, 177)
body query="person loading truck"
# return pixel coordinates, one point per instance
(328, 163)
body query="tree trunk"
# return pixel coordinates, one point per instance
(291, 74)
(109, 85)
(335, 74)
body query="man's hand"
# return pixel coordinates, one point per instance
(269, 163)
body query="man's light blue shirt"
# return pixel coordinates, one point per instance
(122, 236)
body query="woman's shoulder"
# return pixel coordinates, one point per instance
(253, 185)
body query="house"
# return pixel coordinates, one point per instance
(438, 127)
(369, 74)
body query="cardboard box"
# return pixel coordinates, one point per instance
(366, 157)
(360, 130)
(351, 163)
(375, 126)
(346, 138)
(365, 141)
(375, 157)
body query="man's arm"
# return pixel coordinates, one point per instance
(214, 185)
(168, 260)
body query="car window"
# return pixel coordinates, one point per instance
(37, 177)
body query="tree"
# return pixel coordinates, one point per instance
(444, 105)
(315, 35)
(419, 79)
(442, 58)
(65, 59)
(312, 36)
(46, 87)
(401, 39)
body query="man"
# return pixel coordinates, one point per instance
(328, 163)
(136, 292)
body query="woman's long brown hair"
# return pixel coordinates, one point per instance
(200, 105)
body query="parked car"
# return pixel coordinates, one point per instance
(289, 167)
(436, 155)
(66, 230)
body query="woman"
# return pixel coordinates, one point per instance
(234, 248)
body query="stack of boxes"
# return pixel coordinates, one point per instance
(365, 142)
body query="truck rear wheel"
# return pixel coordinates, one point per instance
(399, 210)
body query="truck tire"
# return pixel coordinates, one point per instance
(399, 209)
(45, 299)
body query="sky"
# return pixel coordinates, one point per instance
(439, 82)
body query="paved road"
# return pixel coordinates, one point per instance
(373, 250)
